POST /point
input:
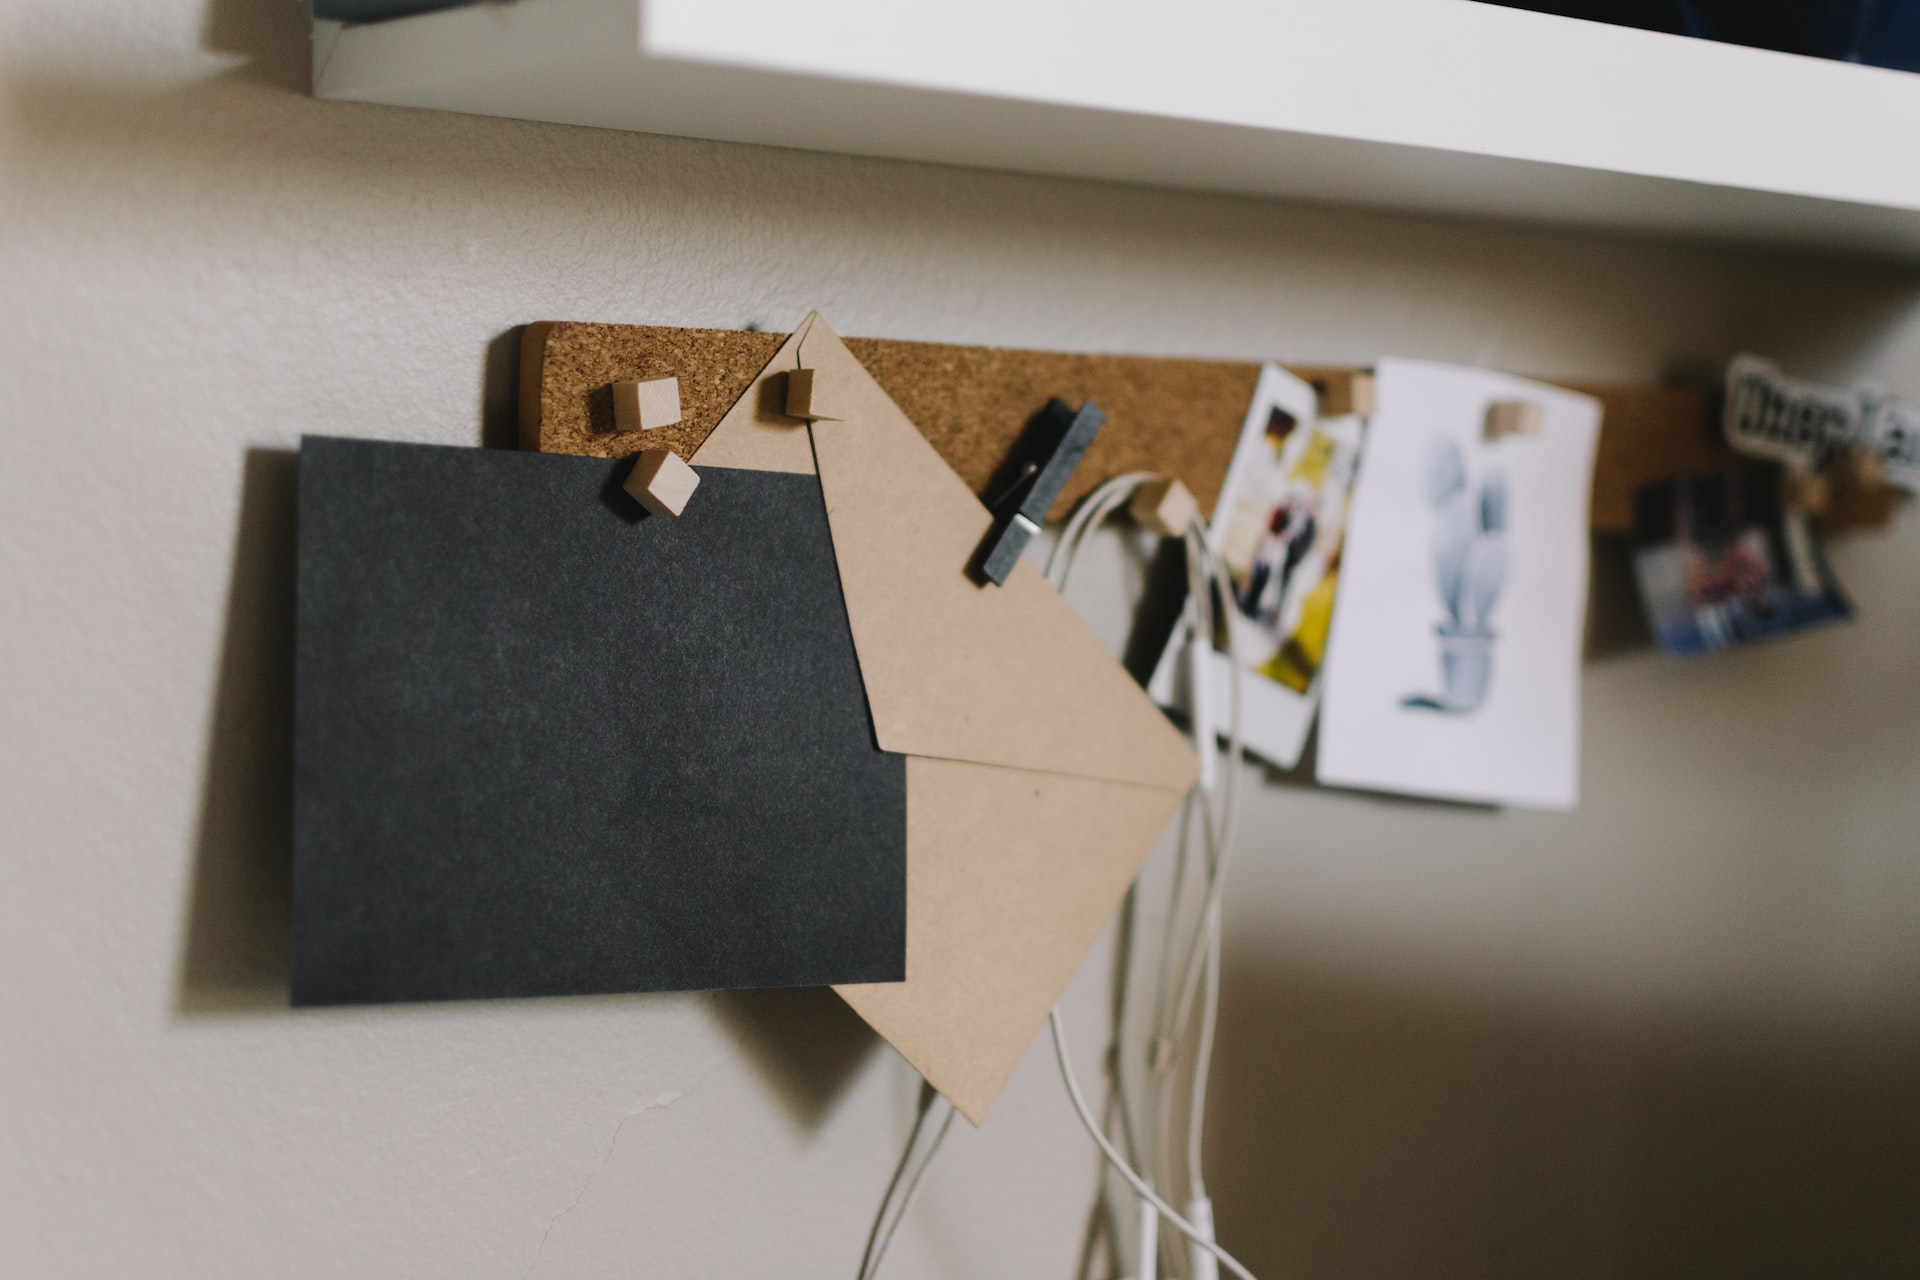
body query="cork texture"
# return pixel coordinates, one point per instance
(1649, 434)
(567, 374)
(1179, 417)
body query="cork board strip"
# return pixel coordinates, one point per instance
(1181, 417)
(567, 372)
(972, 403)
(1649, 434)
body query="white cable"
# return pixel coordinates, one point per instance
(1201, 1265)
(1203, 1063)
(1211, 928)
(1149, 1248)
(1088, 515)
(1210, 588)
(880, 1216)
(870, 1266)
(1120, 1166)
(1222, 837)
(1091, 512)
(1209, 585)
(1199, 664)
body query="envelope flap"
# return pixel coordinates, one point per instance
(996, 675)
(756, 434)
(1010, 878)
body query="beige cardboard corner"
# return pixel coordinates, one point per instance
(1039, 776)
(756, 434)
(1011, 875)
(1003, 675)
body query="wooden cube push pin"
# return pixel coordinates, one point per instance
(643, 406)
(1861, 497)
(662, 483)
(1165, 507)
(1806, 489)
(1862, 469)
(1346, 393)
(1515, 418)
(813, 394)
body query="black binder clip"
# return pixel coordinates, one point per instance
(1061, 438)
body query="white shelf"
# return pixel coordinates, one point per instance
(1433, 105)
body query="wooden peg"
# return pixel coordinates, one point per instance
(1347, 392)
(1861, 496)
(1807, 490)
(643, 406)
(1165, 507)
(662, 483)
(1515, 418)
(812, 394)
(1863, 469)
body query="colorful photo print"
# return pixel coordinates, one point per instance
(1721, 563)
(1279, 523)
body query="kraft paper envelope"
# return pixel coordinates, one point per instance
(1039, 775)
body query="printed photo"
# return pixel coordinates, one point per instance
(1721, 563)
(1279, 524)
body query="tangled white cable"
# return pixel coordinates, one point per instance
(1208, 585)
(880, 1239)
(1120, 1165)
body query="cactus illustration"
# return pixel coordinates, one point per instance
(1470, 568)
(1485, 571)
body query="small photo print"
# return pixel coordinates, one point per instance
(1279, 523)
(1721, 563)
(1281, 543)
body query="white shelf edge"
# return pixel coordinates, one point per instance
(1440, 106)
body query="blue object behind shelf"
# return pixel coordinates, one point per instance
(1883, 33)
(375, 10)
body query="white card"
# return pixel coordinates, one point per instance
(1453, 668)
(1278, 524)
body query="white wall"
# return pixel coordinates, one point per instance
(1672, 1033)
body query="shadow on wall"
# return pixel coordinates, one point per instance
(272, 35)
(235, 951)
(1360, 1131)
(1616, 620)
(236, 943)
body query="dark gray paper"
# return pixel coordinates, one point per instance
(547, 745)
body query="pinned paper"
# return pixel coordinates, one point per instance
(1039, 775)
(1453, 668)
(1010, 677)
(1893, 432)
(757, 433)
(1788, 420)
(1279, 526)
(1722, 563)
(545, 745)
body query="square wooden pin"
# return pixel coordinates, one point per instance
(1346, 393)
(1165, 507)
(662, 483)
(1806, 489)
(1515, 418)
(643, 406)
(812, 394)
